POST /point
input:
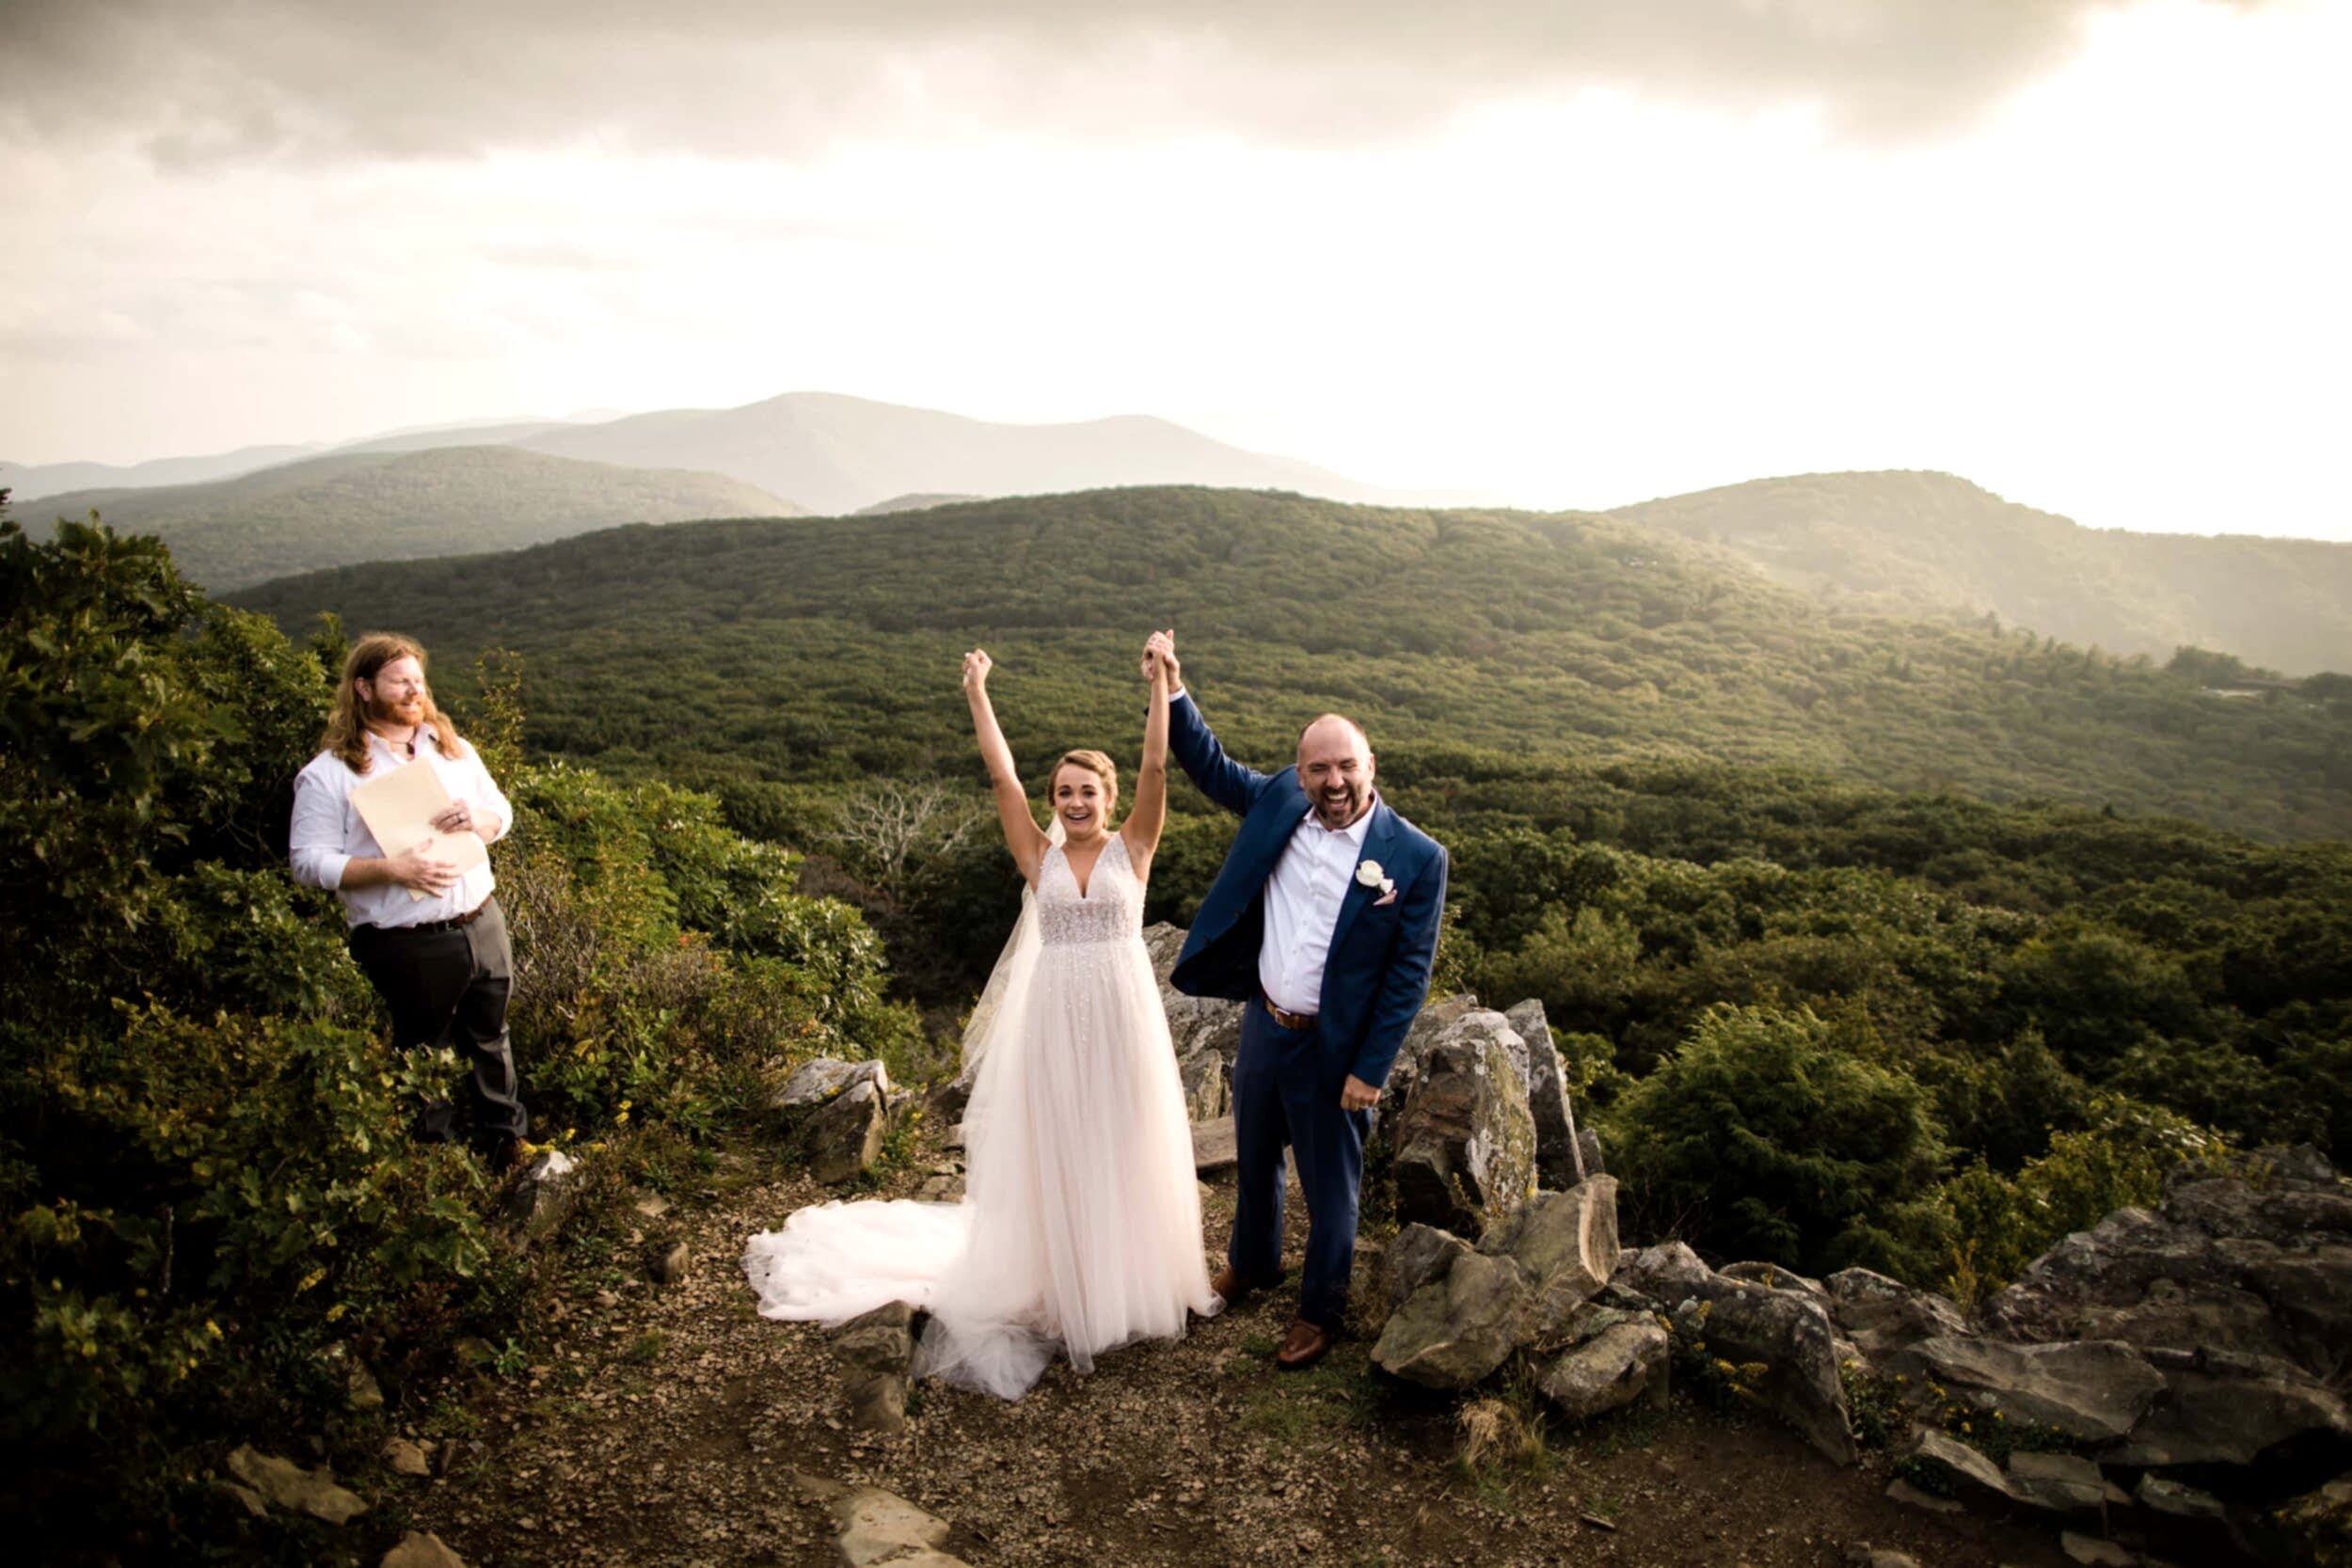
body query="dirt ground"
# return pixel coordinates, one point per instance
(664, 1428)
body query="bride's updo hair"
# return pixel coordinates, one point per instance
(1095, 762)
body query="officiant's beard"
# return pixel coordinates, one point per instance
(405, 713)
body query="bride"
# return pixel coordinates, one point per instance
(1080, 1228)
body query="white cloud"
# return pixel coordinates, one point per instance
(2118, 296)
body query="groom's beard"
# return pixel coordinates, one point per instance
(1340, 804)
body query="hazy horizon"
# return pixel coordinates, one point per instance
(2074, 253)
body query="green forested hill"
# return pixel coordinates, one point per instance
(1912, 542)
(826, 649)
(397, 505)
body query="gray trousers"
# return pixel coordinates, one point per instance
(450, 987)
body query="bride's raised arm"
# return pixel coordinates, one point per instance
(1150, 813)
(1023, 836)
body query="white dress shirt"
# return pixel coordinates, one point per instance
(1302, 911)
(327, 834)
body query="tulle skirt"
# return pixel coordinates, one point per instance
(1080, 1226)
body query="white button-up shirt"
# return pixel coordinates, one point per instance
(327, 834)
(1302, 911)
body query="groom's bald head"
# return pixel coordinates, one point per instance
(1335, 767)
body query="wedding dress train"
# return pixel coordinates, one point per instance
(1080, 1226)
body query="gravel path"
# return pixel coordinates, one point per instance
(665, 1426)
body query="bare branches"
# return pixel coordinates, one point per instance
(890, 828)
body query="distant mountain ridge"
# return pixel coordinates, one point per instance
(1902, 543)
(837, 454)
(393, 505)
(825, 648)
(31, 481)
(1909, 543)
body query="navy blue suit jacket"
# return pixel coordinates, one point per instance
(1377, 973)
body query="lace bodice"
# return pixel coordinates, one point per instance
(1112, 909)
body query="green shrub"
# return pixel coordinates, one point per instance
(213, 1206)
(1996, 1225)
(1776, 1141)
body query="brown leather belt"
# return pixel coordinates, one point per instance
(1300, 1021)
(427, 928)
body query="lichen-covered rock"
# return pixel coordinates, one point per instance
(2203, 1418)
(815, 1081)
(1464, 1144)
(1206, 1077)
(877, 1356)
(1790, 1331)
(1557, 1162)
(1459, 1326)
(2320, 1523)
(2255, 1265)
(1420, 1253)
(1565, 1243)
(1881, 1315)
(2175, 1499)
(2092, 1390)
(1195, 1023)
(1952, 1467)
(2061, 1483)
(842, 1138)
(282, 1484)
(1775, 1277)
(1611, 1360)
(542, 1197)
(1429, 1026)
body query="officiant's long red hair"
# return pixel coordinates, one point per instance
(347, 723)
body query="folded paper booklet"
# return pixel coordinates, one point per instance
(399, 808)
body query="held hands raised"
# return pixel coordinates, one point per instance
(976, 664)
(1159, 650)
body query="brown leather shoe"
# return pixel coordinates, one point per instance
(1303, 1346)
(1229, 1284)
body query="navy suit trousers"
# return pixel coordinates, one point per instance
(1286, 1092)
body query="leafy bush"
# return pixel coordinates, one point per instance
(1997, 1225)
(214, 1208)
(1780, 1142)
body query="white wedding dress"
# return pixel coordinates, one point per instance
(1080, 1226)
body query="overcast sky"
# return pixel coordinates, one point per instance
(2092, 256)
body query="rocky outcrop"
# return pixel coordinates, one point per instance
(1566, 1245)
(877, 1356)
(835, 1114)
(1460, 1325)
(283, 1484)
(1205, 1030)
(1463, 1142)
(1207, 1078)
(1462, 1310)
(1882, 1316)
(1559, 1164)
(875, 1528)
(1612, 1358)
(542, 1197)
(1745, 1321)
(421, 1549)
(1420, 1253)
(2090, 1390)
(2236, 1294)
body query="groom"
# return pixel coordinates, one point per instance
(1324, 920)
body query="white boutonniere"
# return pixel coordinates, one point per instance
(1369, 874)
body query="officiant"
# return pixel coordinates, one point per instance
(392, 816)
